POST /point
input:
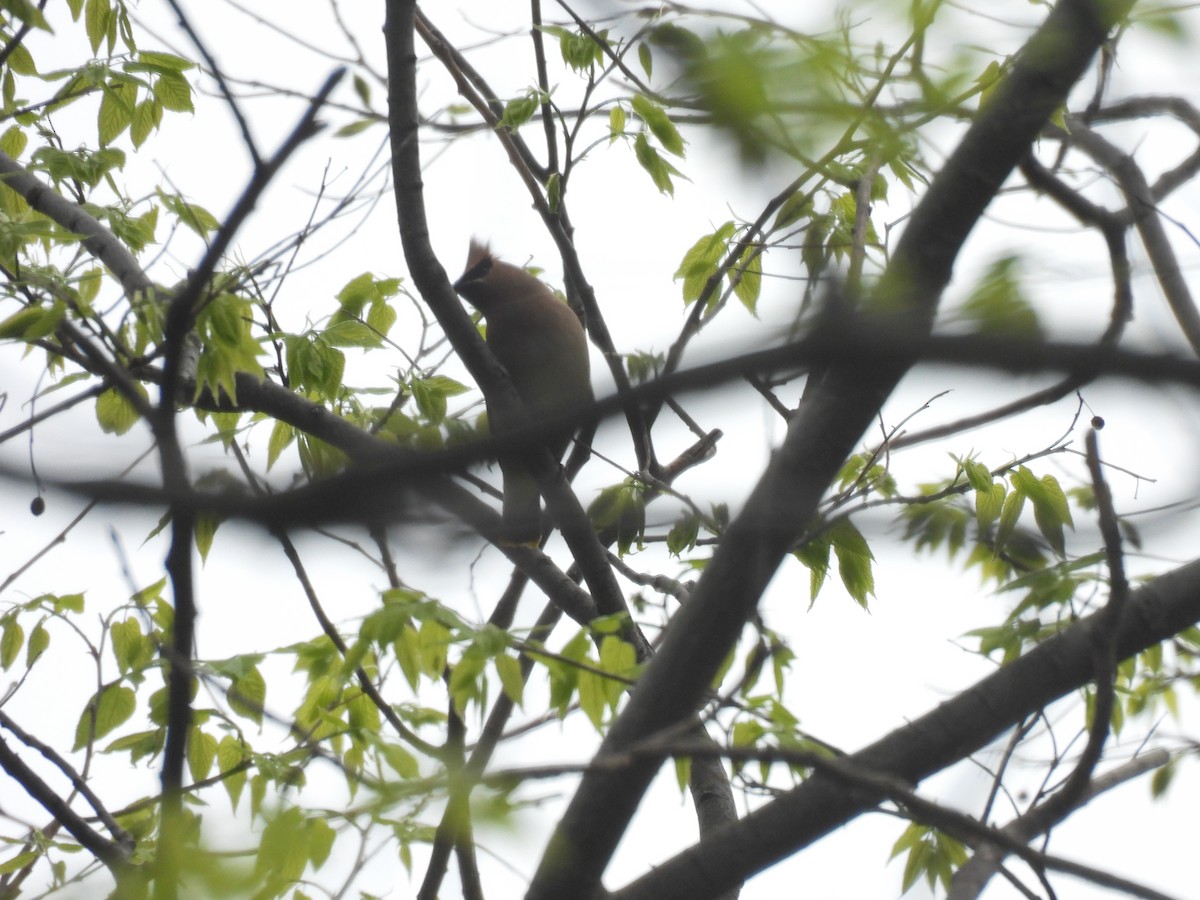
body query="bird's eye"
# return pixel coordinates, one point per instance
(478, 271)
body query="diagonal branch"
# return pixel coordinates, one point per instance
(111, 853)
(179, 320)
(122, 838)
(472, 87)
(969, 881)
(957, 728)
(820, 437)
(97, 240)
(434, 286)
(1143, 208)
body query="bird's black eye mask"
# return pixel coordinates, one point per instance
(477, 272)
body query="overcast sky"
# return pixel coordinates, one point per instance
(857, 674)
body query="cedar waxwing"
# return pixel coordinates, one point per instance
(540, 342)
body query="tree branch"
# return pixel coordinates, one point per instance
(433, 285)
(970, 880)
(111, 853)
(819, 438)
(953, 731)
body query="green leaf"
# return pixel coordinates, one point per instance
(13, 141)
(796, 207)
(356, 127)
(195, 217)
(282, 436)
(116, 111)
(978, 475)
(434, 641)
(616, 122)
(659, 169)
(115, 413)
(320, 841)
(988, 80)
(112, 708)
(1050, 508)
(158, 60)
(430, 400)
(332, 366)
(146, 118)
(592, 697)
(384, 625)
(645, 59)
(315, 366)
(683, 535)
(988, 504)
(11, 641)
(363, 90)
(747, 733)
(205, 530)
(509, 670)
(283, 847)
(139, 745)
(201, 753)
(96, 21)
(466, 682)
(403, 762)
(357, 293)
(88, 284)
(381, 317)
(1162, 778)
(21, 60)
(247, 695)
(998, 304)
(930, 853)
(88, 166)
(854, 560)
(701, 260)
(231, 753)
(19, 862)
(617, 657)
(24, 323)
(579, 51)
(39, 640)
(520, 110)
(746, 277)
(225, 321)
(623, 507)
(1009, 514)
(72, 602)
(351, 333)
(659, 123)
(173, 91)
(814, 554)
(128, 643)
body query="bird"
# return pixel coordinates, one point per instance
(542, 345)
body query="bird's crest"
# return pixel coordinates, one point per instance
(479, 262)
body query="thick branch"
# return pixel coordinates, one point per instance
(951, 732)
(98, 240)
(820, 437)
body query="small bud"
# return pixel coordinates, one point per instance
(37, 506)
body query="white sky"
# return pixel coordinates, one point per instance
(857, 675)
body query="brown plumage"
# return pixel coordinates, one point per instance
(539, 341)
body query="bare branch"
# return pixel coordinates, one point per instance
(111, 853)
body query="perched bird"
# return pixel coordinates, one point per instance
(540, 342)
